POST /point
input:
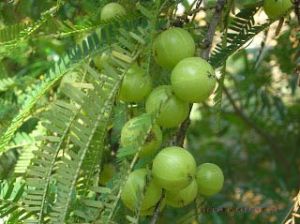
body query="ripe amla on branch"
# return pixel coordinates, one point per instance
(193, 80)
(100, 59)
(209, 178)
(173, 168)
(138, 192)
(277, 8)
(136, 85)
(112, 10)
(136, 129)
(171, 46)
(171, 110)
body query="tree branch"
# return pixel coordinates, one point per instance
(297, 8)
(157, 209)
(207, 44)
(267, 137)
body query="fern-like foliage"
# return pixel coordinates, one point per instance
(18, 157)
(6, 84)
(10, 207)
(128, 157)
(79, 126)
(12, 35)
(26, 146)
(241, 29)
(7, 109)
(89, 47)
(82, 136)
(62, 167)
(100, 203)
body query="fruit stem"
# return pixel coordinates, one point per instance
(157, 209)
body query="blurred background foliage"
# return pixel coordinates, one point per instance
(256, 143)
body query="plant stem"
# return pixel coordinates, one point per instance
(157, 209)
(267, 137)
(207, 44)
(297, 11)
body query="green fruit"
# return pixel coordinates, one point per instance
(209, 178)
(107, 173)
(135, 130)
(136, 85)
(173, 168)
(171, 46)
(277, 8)
(171, 110)
(183, 197)
(100, 59)
(111, 11)
(139, 193)
(193, 80)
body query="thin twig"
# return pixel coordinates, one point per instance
(262, 47)
(199, 2)
(157, 209)
(267, 137)
(180, 135)
(207, 43)
(297, 72)
(219, 90)
(199, 203)
(297, 9)
(279, 26)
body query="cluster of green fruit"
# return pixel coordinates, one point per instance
(174, 172)
(192, 79)
(174, 175)
(173, 169)
(273, 8)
